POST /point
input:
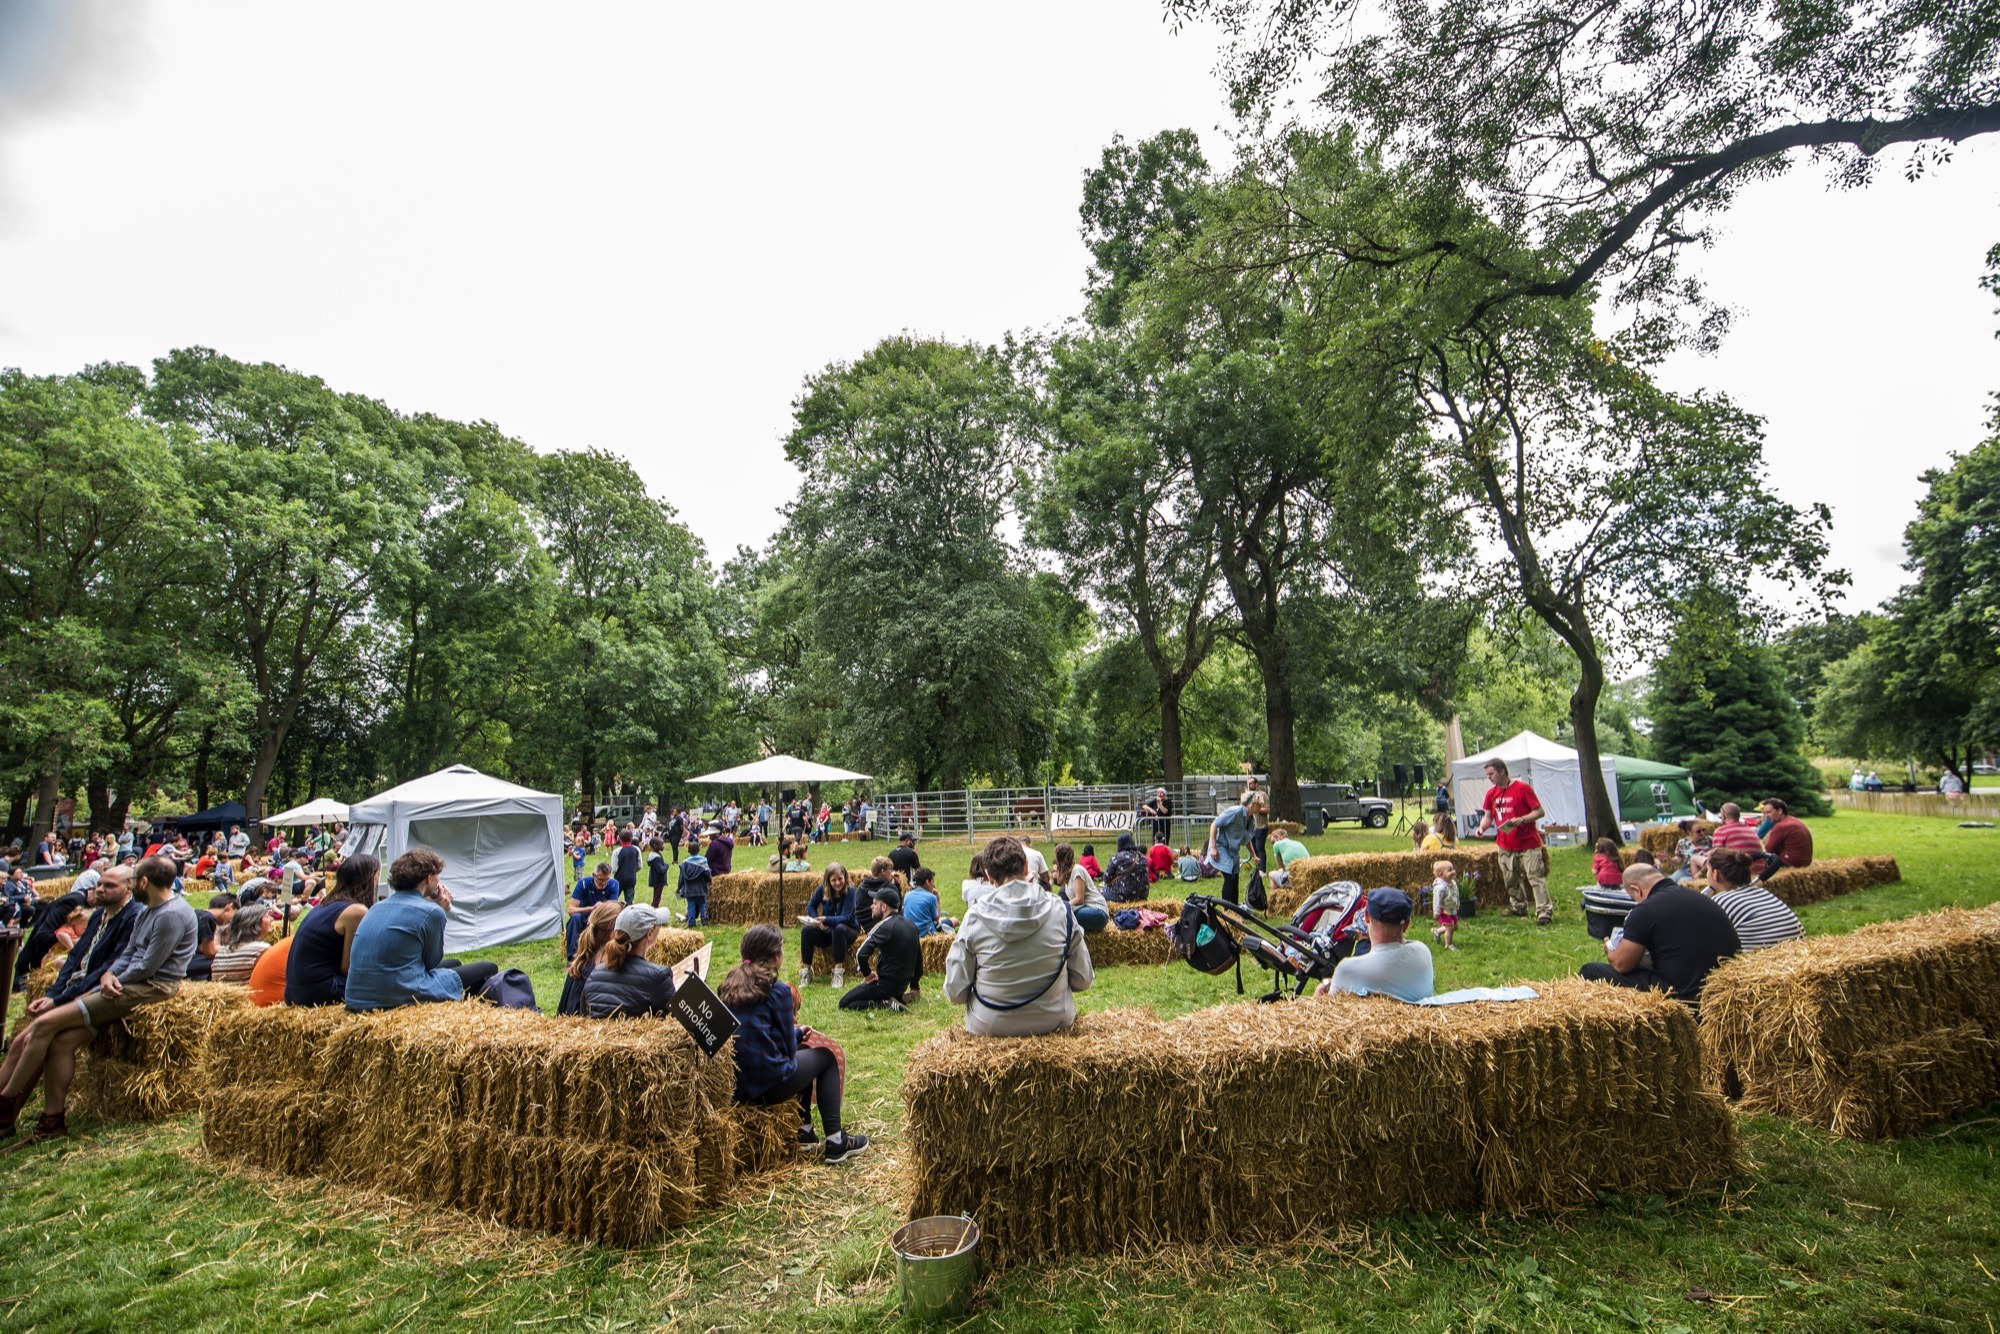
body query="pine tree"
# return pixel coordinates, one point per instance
(1724, 713)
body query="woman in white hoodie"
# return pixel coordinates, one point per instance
(1020, 957)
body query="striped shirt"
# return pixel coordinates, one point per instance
(1760, 917)
(1740, 836)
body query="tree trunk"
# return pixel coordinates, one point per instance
(1598, 808)
(48, 793)
(587, 780)
(260, 776)
(97, 791)
(1170, 733)
(17, 812)
(119, 813)
(1280, 718)
(201, 769)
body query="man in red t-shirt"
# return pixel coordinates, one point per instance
(1511, 809)
(1787, 842)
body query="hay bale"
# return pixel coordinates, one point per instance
(48, 891)
(1661, 839)
(1112, 948)
(1826, 878)
(745, 898)
(610, 1131)
(936, 949)
(1408, 871)
(674, 944)
(1062, 1145)
(1869, 1035)
(150, 1064)
(766, 1137)
(36, 985)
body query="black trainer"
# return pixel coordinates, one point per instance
(843, 1147)
(807, 1137)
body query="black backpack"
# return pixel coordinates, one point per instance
(1201, 938)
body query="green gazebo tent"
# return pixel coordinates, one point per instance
(1638, 799)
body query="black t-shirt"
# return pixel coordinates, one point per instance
(198, 966)
(904, 859)
(1686, 933)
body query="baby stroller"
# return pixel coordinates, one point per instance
(1214, 934)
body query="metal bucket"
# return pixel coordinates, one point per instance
(937, 1264)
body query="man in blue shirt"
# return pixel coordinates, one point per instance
(1393, 966)
(397, 957)
(590, 891)
(1230, 833)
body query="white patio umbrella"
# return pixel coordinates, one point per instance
(780, 769)
(318, 811)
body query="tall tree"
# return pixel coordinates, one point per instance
(946, 645)
(1612, 133)
(300, 496)
(635, 679)
(1927, 681)
(1114, 505)
(85, 502)
(1721, 709)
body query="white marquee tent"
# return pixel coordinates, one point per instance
(1550, 768)
(501, 844)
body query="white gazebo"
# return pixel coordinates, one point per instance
(501, 843)
(1549, 767)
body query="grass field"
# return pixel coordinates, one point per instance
(130, 1227)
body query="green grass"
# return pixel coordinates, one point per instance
(130, 1227)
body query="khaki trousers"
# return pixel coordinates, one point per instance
(1526, 874)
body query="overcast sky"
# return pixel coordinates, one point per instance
(623, 226)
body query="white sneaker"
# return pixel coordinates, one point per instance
(838, 976)
(805, 977)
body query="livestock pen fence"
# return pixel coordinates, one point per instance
(1104, 809)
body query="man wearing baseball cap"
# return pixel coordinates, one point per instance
(1393, 966)
(891, 958)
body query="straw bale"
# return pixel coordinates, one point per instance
(1660, 839)
(149, 1064)
(1875, 1033)
(674, 944)
(1410, 871)
(609, 1131)
(48, 891)
(745, 898)
(36, 985)
(765, 1137)
(937, 949)
(1167, 908)
(1111, 947)
(1360, 1106)
(1826, 878)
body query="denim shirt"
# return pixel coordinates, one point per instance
(395, 956)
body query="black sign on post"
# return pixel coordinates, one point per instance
(702, 1013)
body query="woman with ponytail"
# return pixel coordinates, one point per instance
(597, 929)
(624, 984)
(771, 1067)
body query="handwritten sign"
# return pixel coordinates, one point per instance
(1092, 821)
(702, 1013)
(695, 965)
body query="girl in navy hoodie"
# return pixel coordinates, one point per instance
(771, 1065)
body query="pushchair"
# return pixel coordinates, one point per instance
(1214, 934)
